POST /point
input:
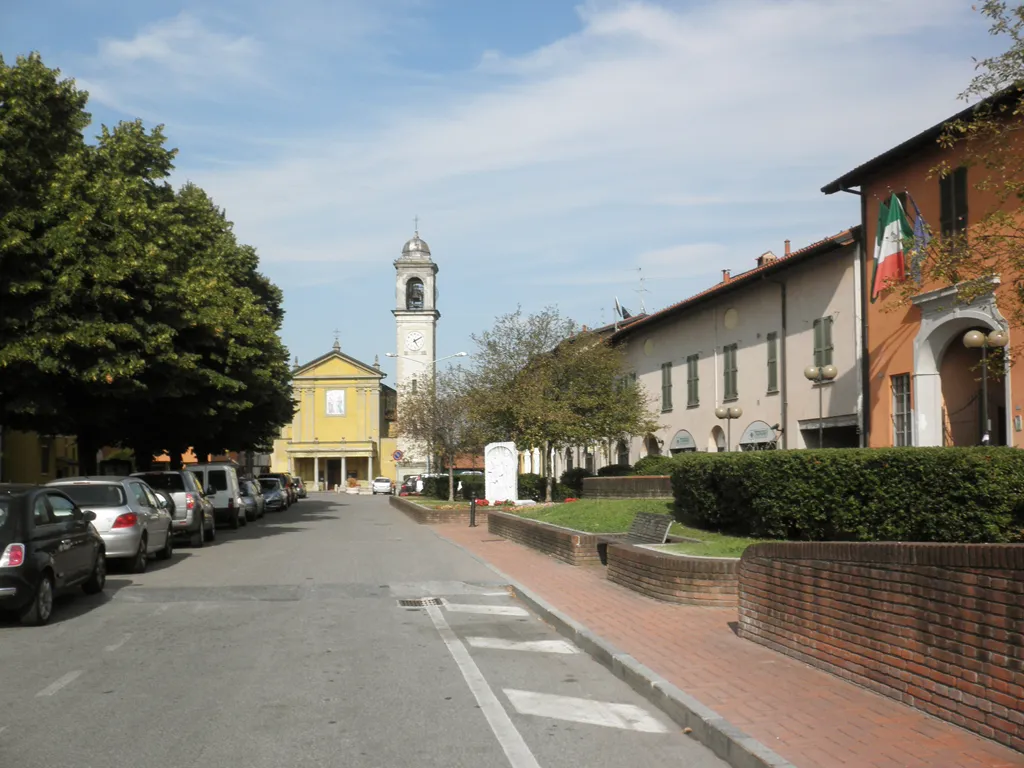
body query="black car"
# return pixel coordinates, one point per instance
(47, 544)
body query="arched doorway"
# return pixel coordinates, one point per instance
(622, 453)
(682, 442)
(716, 442)
(652, 446)
(947, 379)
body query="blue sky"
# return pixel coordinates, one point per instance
(550, 148)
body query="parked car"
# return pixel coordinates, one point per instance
(293, 487)
(220, 480)
(274, 495)
(47, 544)
(382, 485)
(252, 498)
(286, 484)
(133, 523)
(192, 513)
(300, 487)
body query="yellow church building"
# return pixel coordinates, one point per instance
(342, 428)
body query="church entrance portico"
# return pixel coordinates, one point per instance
(327, 470)
(947, 377)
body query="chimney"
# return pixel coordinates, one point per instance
(766, 258)
(787, 247)
(725, 276)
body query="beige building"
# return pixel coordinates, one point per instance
(745, 343)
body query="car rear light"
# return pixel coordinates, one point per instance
(13, 556)
(190, 501)
(127, 520)
(231, 503)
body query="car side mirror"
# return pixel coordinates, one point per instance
(89, 516)
(211, 491)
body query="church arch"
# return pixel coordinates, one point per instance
(414, 293)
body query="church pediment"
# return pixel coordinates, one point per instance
(336, 365)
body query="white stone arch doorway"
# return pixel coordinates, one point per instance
(944, 322)
(716, 440)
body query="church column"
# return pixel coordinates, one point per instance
(316, 473)
(344, 473)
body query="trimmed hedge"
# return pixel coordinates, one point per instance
(880, 494)
(615, 470)
(655, 465)
(572, 479)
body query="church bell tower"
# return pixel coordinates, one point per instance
(416, 319)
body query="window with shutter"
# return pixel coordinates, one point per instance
(730, 372)
(823, 341)
(666, 386)
(692, 380)
(953, 202)
(773, 363)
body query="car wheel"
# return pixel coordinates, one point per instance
(168, 551)
(233, 522)
(250, 518)
(41, 608)
(98, 579)
(210, 534)
(141, 560)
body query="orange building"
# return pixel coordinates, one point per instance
(922, 384)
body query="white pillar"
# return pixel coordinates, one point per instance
(344, 473)
(316, 473)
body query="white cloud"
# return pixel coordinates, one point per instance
(644, 106)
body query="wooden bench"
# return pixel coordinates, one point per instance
(646, 528)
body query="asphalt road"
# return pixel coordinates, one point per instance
(284, 645)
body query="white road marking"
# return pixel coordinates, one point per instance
(626, 716)
(500, 610)
(495, 594)
(161, 609)
(511, 741)
(539, 646)
(56, 685)
(118, 644)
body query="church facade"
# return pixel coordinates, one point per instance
(343, 423)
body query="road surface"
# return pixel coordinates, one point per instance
(285, 645)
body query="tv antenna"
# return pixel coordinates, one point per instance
(642, 290)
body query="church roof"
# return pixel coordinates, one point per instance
(416, 249)
(338, 354)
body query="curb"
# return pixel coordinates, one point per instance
(708, 727)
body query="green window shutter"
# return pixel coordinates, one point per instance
(818, 343)
(773, 362)
(826, 332)
(960, 199)
(666, 386)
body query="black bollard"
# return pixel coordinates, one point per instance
(472, 510)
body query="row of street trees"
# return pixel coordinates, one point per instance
(129, 313)
(538, 380)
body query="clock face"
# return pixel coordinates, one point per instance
(414, 341)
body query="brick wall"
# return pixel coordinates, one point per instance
(567, 545)
(688, 580)
(428, 516)
(628, 487)
(937, 626)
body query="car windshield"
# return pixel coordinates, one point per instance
(382, 480)
(95, 494)
(270, 483)
(164, 481)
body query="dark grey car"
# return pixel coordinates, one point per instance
(252, 498)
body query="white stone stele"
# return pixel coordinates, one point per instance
(501, 472)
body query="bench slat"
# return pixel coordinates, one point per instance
(649, 528)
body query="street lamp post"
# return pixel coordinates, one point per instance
(819, 374)
(431, 363)
(728, 413)
(985, 342)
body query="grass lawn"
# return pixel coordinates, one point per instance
(615, 515)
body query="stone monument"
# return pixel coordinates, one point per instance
(501, 472)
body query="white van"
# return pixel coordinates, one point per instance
(220, 481)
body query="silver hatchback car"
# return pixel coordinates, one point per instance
(130, 519)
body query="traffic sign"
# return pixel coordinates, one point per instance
(397, 455)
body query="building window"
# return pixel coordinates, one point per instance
(588, 462)
(44, 457)
(730, 372)
(692, 380)
(823, 341)
(568, 460)
(902, 433)
(623, 453)
(414, 293)
(666, 386)
(953, 202)
(773, 363)
(414, 385)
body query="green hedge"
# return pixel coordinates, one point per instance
(885, 494)
(572, 479)
(615, 470)
(655, 465)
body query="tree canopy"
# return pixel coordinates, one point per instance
(131, 314)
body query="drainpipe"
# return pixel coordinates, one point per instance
(864, 290)
(783, 362)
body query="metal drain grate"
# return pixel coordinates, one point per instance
(420, 602)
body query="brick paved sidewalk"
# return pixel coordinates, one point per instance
(807, 716)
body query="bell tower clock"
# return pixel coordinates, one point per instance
(416, 319)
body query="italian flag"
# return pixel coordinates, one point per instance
(893, 228)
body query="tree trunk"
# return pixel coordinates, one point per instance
(546, 463)
(176, 453)
(88, 446)
(451, 480)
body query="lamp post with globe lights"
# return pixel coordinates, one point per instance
(996, 339)
(819, 374)
(728, 413)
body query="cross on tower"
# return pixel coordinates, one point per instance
(337, 342)
(416, 224)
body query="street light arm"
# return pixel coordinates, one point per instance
(431, 362)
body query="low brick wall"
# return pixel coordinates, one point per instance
(428, 516)
(937, 626)
(628, 487)
(704, 581)
(573, 547)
